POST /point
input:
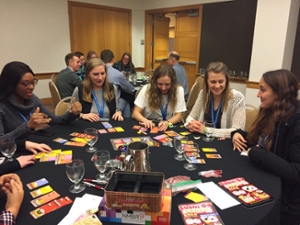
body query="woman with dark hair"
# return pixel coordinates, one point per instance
(162, 99)
(90, 55)
(125, 64)
(20, 110)
(96, 94)
(217, 104)
(273, 141)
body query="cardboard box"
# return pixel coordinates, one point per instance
(138, 217)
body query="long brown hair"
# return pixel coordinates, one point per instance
(129, 61)
(216, 67)
(285, 87)
(88, 84)
(154, 94)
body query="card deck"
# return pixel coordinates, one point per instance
(51, 156)
(64, 157)
(44, 199)
(154, 130)
(172, 133)
(209, 150)
(195, 197)
(198, 161)
(185, 133)
(119, 129)
(73, 143)
(111, 130)
(37, 183)
(41, 191)
(60, 140)
(81, 140)
(213, 156)
(102, 131)
(107, 125)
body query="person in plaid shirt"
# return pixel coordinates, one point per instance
(13, 188)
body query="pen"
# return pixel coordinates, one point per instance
(91, 180)
(93, 185)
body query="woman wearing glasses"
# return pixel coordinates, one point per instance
(21, 111)
(125, 65)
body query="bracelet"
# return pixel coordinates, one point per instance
(170, 125)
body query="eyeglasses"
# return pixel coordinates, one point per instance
(26, 83)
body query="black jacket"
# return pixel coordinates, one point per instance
(283, 160)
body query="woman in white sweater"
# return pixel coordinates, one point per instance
(218, 104)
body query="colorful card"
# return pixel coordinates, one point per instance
(64, 157)
(213, 156)
(119, 129)
(198, 161)
(143, 129)
(111, 130)
(136, 127)
(37, 183)
(172, 133)
(107, 125)
(102, 131)
(49, 207)
(195, 197)
(154, 130)
(44, 199)
(209, 150)
(73, 143)
(192, 154)
(81, 135)
(127, 140)
(185, 133)
(81, 140)
(51, 156)
(41, 191)
(60, 140)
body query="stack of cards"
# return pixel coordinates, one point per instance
(211, 156)
(163, 138)
(59, 156)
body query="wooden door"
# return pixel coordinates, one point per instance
(187, 41)
(161, 39)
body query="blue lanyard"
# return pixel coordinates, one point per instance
(214, 120)
(23, 117)
(164, 111)
(100, 110)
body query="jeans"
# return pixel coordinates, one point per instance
(125, 108)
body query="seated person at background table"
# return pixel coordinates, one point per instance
(81, 70)
(67, 79)
(12, 186)
(96, 95)
(273, 141)
(173, 60)
(121, 82)
(217, 103)
(90, 55)
(125, 65)
(162, 99)
(21, 111)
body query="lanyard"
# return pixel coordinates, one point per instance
(214, 120)
(164, 111)
(100, 109)
(23, 117)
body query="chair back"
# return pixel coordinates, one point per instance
(54, 93)
(191, 100)
(149, 73)
(251, 114)
(200, 80)
(53, 77)
(62, 106)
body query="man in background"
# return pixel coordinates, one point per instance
(81, 70)
(173, 60)
(67, 79)
(126, 91)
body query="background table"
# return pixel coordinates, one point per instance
(161, 159)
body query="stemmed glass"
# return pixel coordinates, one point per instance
(99, 158)
(178, 146)
(91, 137)
(208, 133)
(8, 148)
(189, 154)
(75, 172)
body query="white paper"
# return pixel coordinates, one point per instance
(217, 195)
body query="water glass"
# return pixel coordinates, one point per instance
(75, 172)
(208, 133)
(100, 158)
(91, 137)
(178, 146)
(8, 148)
(190, 154)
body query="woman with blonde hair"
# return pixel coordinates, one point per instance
(217, 104)
(96, 95)
(161, 100)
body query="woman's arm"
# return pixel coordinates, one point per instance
(196, 110)
(118, 114)
(137, 114)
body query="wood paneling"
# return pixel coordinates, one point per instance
(43, 76)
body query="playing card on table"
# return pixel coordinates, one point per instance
(102, 131)
(73, 143)
(209, 150)
(60, 140)
(107, 125)
(119, 129)
(37, 183)
(213, 156)
(41, 191)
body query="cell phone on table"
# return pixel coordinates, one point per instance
(46, 133)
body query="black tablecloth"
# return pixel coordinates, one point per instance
(161, 159)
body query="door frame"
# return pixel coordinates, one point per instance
(149, 31)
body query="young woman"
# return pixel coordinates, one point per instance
(125, 65)
(21, 111)
(216, 103)
(96, 94)
(273, 141)
(162, 99)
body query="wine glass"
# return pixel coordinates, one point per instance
(75, 172)
(178, 146)
(8, 147)
(91, 137)
(208, 133)
(190, 156)
(99, 158)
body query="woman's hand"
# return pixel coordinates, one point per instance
(147, 123)
(196, 126)
(34, 147)
(163, 125)
(92, 117)
(239, 143)
(118, 116)
(26, 160)
(37, 118)
(75, 107)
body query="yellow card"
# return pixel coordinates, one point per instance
(41, 191)
(195, 197)
(209, 150)
(119, 129)
(135, 139)
(78, 139)
(50, 156)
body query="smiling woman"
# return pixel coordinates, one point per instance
(20, 110)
